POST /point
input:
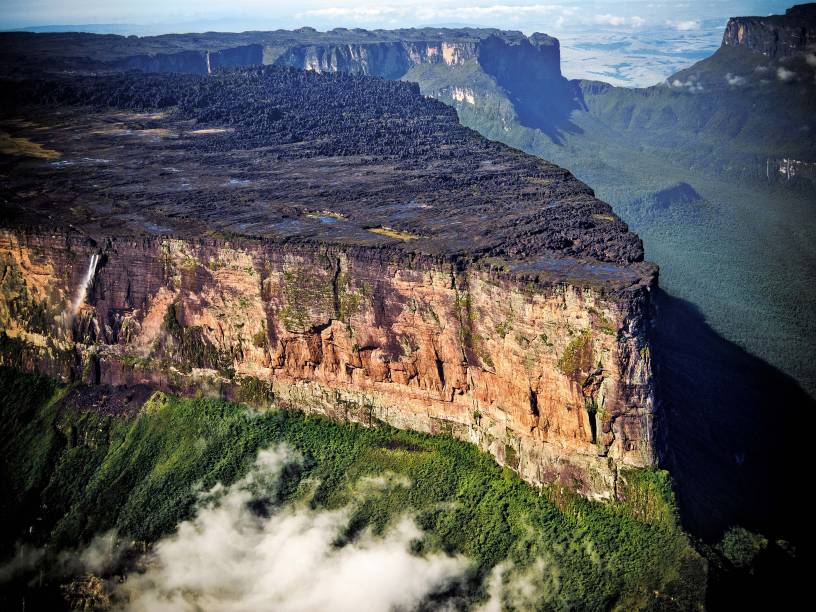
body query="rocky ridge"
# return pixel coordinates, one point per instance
(386, 53)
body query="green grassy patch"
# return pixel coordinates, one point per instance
(577, 356)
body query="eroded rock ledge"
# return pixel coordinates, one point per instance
(333, 243)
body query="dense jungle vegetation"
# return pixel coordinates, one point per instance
(71, 474)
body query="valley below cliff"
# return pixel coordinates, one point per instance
(124, 492)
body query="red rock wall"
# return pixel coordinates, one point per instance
(554, 381)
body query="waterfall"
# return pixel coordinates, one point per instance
(82, 290)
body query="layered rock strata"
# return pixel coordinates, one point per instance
(374, 261)
(386, 53)
(553, 379)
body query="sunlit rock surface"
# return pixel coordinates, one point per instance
(355, 254)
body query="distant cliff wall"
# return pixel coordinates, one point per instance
(776, 36)
(537, 56)
(193, 62)
(389, 60)
(552, 379)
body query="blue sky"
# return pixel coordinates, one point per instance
(626, 42)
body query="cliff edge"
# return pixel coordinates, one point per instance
(334, 243)
(776, 36)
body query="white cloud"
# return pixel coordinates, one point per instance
(613, 20)
(25, 559)
(534, 588)
(97, 557)
(619, 21)
(684, 25)
(230, 558)
(692, 84)
(357, 12)
(810, 58)
(785, 75)
(734, 79)
(429, 13)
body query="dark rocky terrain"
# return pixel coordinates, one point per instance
(288, 155)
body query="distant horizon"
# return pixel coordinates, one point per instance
(556, 15)
(617, 58)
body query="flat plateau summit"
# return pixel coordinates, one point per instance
(291, 156)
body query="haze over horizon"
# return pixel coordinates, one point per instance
(633, 43)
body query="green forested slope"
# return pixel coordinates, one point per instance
(70, 473)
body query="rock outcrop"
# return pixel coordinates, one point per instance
(775, 36)
(375, 261)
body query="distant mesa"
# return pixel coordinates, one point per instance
(386, 53)
(775, 36)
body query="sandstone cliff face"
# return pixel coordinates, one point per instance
(390, 60)
(539, 55)
(193, 62)
(553, 379)
(776, 36)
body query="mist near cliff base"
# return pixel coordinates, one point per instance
(245, 549)
(235, 554)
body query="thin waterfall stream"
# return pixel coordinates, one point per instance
(82, 290)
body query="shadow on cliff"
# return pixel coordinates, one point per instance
(542, 98)
(735, 436)
(735, 429)
(545, 105)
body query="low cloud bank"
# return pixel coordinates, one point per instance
(684, 25)
(692, 84)
(98, 557)
(620, 21)
(235, 555)
(534, 588)
(785, 75)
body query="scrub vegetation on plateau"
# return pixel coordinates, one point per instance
(76, 473)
